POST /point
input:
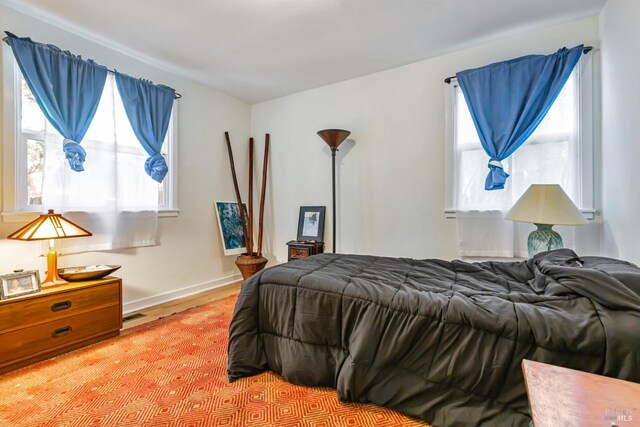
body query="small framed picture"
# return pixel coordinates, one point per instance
(18, 284)
(230, 226)
(311, 223)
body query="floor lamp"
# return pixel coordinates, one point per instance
(333, 138)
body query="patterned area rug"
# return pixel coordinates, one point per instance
(171, 372)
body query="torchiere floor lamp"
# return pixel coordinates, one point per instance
(333, 138)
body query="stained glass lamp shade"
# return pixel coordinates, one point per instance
(50, 226)
(545, 205)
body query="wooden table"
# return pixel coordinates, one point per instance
(58, 319)
(298, 250)
(566, 397)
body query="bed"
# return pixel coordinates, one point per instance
(437, 340)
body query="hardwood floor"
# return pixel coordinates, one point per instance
(171, 307)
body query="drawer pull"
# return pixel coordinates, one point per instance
(62, 305)
(62, 331)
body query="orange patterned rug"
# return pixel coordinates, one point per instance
(171, 372)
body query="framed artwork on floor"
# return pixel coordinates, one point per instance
(311, 223)
(230, 226)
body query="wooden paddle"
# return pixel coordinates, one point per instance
(263, 192)
(250, 220)
(243, 218)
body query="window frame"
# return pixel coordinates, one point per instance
(586, 126)
(13, 180)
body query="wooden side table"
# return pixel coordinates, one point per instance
(566, 397)
(299, 250)
(56, 320)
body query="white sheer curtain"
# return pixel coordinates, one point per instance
(113, 198)
(550, 156)
(485, 234)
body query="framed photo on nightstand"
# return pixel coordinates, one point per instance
(311, 223)
(18, 284)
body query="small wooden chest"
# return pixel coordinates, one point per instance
(299, 250)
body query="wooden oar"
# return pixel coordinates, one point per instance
(263, 192)
(250, 220)
(235, 186)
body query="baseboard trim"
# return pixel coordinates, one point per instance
(131, 306)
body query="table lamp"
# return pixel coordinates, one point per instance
(50, 226)
(545, 205)
(333, 138)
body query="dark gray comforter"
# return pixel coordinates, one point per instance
(438, 340)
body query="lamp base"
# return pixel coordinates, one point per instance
(543, 239)
(51, 282)
(52, 279)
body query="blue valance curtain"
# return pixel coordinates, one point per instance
(508, 100)
(148, 108)
(66, 87)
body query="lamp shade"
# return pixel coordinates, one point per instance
(334, 137)
(546, 204)
(49, 226)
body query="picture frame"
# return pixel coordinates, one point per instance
(311, 223)
(18, 284)
(230, 226)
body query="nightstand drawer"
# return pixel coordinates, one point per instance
(296, 253)
(49, 336)
(19, 314)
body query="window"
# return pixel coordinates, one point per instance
(109, 132)
(558, 152)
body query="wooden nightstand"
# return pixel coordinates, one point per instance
(566, 397)
(299, 250)
(56, 320)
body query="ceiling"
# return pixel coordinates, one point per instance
(257, 50)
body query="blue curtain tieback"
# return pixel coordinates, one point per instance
(497, 177)
(156, 167)
(514, 108)
(496, 163)
(148, 109)
(75, 154)
(66, 88)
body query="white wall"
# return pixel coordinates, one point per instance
(190, 252)
(620, 31)
(392, 177)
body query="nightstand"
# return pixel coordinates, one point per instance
(56, 320)
(299, 250)
(565, 397)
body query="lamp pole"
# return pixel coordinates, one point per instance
(333, 138)
(333, 180)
